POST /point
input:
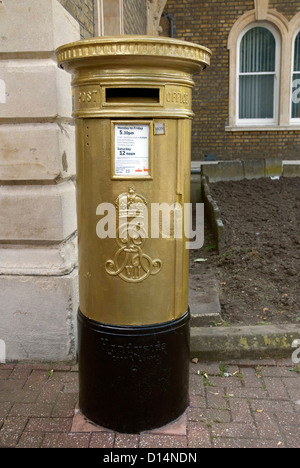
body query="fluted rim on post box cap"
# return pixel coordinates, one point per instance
(149, 51)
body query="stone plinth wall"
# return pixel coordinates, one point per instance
(38, 244)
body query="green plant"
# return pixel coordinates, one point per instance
(206, 381)
(211, 247)
(223, 370)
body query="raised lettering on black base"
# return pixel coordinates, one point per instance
(133, 379)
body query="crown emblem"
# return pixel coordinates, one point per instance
(130, 262)
(131, 204)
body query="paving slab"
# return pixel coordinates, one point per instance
(235, 403)
(204, 299)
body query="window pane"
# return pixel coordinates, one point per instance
(258, 51)
(256, 97)
(296, 96)
(297, 54)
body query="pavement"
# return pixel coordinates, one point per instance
(234, 404)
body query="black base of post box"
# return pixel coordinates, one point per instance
(133, 379)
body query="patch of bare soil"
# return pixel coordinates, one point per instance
(258, 272)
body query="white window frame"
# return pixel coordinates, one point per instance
(294, 121)
(259, 122)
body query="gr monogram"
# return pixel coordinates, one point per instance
(133, 272)
(130, 262)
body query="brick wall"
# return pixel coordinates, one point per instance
(83, 12)
(135, 16)
(286, 7)
(134, 12)
(209, 24)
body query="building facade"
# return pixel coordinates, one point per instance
(38, 228)
(247, 105)
(113, 17)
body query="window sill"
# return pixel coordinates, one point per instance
(263, 128)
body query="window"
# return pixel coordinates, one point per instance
(296, 81)
(264, 73)
(258, 75)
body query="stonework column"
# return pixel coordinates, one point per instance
(109, 17)
(155, 10)
(38, 244)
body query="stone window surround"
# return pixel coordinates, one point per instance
(287, 31)
(294, 120)
(274, 120)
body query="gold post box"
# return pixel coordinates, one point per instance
(133, 111)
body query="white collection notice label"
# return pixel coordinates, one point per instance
(132, 150)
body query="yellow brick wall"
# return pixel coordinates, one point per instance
(83, 12)
(135, 16)
(209, 23)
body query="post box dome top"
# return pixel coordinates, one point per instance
(135, 50)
